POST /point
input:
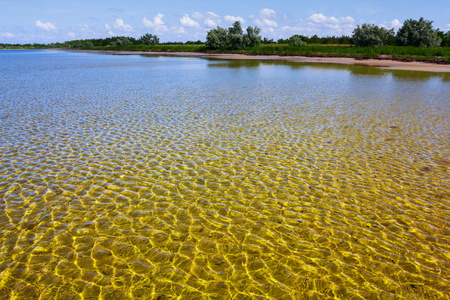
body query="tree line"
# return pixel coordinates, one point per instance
(418, 33)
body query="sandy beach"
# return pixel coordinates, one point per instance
(378, 63)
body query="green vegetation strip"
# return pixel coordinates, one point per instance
(407, 53)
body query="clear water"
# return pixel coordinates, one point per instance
(146, 177)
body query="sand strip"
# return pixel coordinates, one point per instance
(379, 63)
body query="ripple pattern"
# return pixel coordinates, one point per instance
(129, 177)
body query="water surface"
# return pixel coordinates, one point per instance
(135, 177)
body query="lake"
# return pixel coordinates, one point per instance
(157, 177)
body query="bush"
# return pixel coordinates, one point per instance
(296, 41)
(371, 35)
(120, 42)
(216, 38)
(77, 45)
(418, 33)
(148, 39)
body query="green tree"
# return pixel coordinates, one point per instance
(77, 45)
(148, 39)
(314, 39)
(217, 38)
(447, 35)
(296, 41)
(371, 36)
(252, 37)
(233, 37)
(444, 38)
(267, 41)
(121, 41)
(418, 33)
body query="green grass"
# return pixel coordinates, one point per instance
(156, 48)
(441, 55)
(394, 52)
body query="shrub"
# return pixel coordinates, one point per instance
(121, 42)
(148, 39)
(296, 41)
(77, 45)
(216, 38)
(371, 35)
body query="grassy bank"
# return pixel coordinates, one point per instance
(438, 55)
(156, 48)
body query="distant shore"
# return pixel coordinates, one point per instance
(378, 63)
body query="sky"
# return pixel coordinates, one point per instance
(48, 21)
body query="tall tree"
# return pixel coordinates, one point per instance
(252, 38)
(418, 33)
(235, 36)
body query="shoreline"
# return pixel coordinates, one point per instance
(377, 63)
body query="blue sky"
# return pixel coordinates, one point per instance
(46, 21)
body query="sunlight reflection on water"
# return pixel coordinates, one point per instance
(145, 176)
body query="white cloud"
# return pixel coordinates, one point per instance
(178, 30)
(392, 24)
(108, 28)
(83, 31)
(212, 20)
(267, 13)
(319, 18)
(330, 22)
(147, 22)
(158, 19)
(348, 20)
(232, 19)
(157, 23)
(119, 24)
(265, 23)
(186, 21)
(265, 18)
(47, 26)
(210, 23)
(268, 30)
(324, 25)
(196, 15)
(7, 35)
(321, 25)
(213, 15)
(447, 27)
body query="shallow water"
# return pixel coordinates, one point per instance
(153, 177)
